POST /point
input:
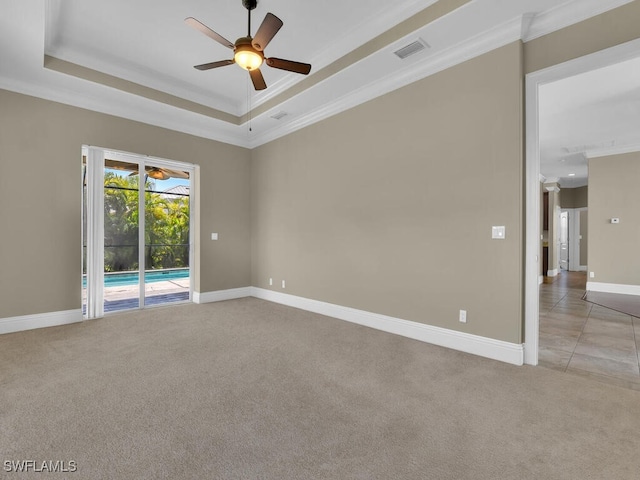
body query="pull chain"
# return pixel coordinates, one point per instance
(249, 103)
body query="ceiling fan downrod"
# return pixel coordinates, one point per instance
(249, 5)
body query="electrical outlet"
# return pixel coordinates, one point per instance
(282, 283)
(271, 281)
(592, 274)
(463, 316)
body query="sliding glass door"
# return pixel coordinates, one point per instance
(166, 238)
(136, 231)
(121, 235)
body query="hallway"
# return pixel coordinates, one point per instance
(581, 338)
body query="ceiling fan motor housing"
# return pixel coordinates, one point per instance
(249, 4)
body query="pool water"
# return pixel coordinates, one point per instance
(122, 279)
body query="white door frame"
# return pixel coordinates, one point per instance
(95, 232)
(533, 81)
(95, 235)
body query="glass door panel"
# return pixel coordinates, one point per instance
(166, 249)
(121, 230)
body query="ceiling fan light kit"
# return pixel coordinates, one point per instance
(246, 56)
(248, 51)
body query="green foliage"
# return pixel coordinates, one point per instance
(166, 222)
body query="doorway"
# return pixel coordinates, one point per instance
(137, 224)
(564, 240)
(573, 238)
(534, 81)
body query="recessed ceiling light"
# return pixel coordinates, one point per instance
(572, 174)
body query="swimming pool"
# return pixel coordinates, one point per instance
(121, 279)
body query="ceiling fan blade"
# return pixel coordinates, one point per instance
(118, 165)
(291, 66)
(268, 29)
(192, 22)
(175, 173)
(157, 173)
(209, 66)
(257, 79)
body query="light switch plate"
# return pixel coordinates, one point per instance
(214, 236)
(498, 233)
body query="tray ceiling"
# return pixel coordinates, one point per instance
(135, 59)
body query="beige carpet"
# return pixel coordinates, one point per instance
(247, 389)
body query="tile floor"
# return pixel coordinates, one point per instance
(585, 339)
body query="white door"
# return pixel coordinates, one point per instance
(564, 240)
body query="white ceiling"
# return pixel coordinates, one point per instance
(583, 115)
(147, 42)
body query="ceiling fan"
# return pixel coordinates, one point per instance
(249, 51)
(154, 172)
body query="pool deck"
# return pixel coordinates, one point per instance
(156, 293)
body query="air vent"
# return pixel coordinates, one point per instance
(279, 115)
(411, 49)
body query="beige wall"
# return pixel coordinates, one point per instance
(614, 192)
(358, 210)
(40, 193)
(574, 197)
(609, 29)
(388, 207)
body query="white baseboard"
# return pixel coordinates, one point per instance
(220, 295)
(552, 273)
(40, 320)
(486, 347)
(540, 279)
(582, 268)
(613, 288)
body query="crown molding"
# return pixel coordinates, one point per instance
(126, 105)
(134, 108)
(525, 27)
(119, 83)
(366, 30)
(471, 48)
(122, 72)
(607, 152)
(552, 187)
(568, 14)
